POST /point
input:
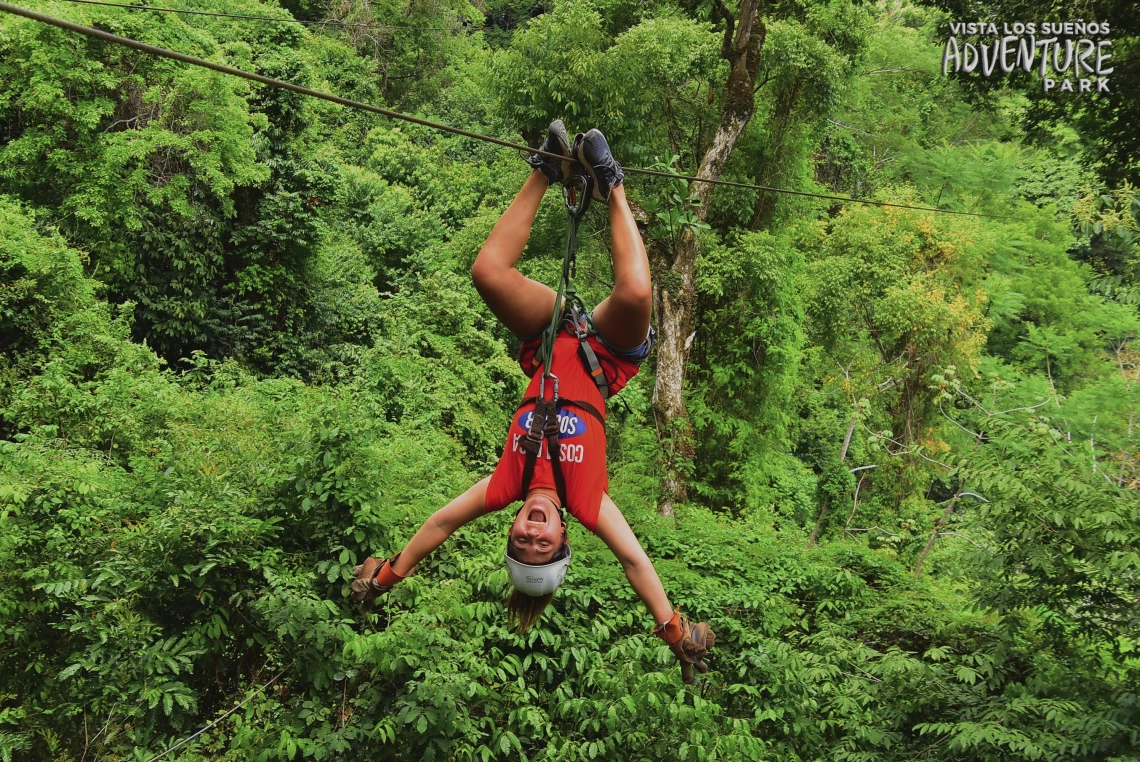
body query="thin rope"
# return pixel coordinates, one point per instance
(213, 724)
(330, 22)
(753, 186)
(223, 69)
(565, 283)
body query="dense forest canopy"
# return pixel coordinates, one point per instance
(240, 351)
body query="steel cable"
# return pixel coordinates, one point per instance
(329, 22)
(349, 103)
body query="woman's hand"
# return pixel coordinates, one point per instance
(688, 642)
(373, 578)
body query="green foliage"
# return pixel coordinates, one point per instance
(240, 351)
(742, 408)
(42, 283)
(564, 63)
(1107, 123)
(1061, 537)
(675, 209)
(895, 295)
(553, 67)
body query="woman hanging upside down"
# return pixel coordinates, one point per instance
(537, 553)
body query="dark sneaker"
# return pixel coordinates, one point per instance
(556, 142)
(593, 152)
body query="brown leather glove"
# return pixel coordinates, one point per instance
(373, 578)
(688, 642)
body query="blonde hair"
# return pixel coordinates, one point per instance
(524, 610)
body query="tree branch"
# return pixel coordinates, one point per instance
(726, 50)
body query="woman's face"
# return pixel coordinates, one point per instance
(537, 533)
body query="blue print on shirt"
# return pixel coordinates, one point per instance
(569, 424)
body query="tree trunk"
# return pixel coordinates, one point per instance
(675, 294)
(827, 498)
(675, 297)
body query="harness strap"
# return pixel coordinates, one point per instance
(591, 359)
(532, 442)
(544, 423)
(528, 473)
(554, 452)
(586, 352)
(578, 403)
(578, 323)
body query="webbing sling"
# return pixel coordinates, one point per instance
(543, 427)
(576, 192)
(577, 322)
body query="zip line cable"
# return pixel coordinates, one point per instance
(789, 191)
(223, 69)
(329, 22)
(349, 103)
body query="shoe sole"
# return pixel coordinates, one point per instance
(561, 134)
(558, 130)
(590, 171)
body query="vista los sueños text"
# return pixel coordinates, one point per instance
(1071, 56)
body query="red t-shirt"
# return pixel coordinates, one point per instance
(581, 437)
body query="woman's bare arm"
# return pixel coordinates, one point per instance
(615, 533)
(442, 524)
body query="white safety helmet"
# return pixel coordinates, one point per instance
(538, 579)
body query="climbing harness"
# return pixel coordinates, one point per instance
(569, 311)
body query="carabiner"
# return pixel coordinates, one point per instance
(582, 187)
(542, 387)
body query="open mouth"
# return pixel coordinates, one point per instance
(537, 516)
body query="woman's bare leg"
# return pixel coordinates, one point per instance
(614, 531)
(524, 305)
(623, 316)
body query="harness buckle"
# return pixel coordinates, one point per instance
(544, 411)
(577, 323)
(532, 442)
(531, 445)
